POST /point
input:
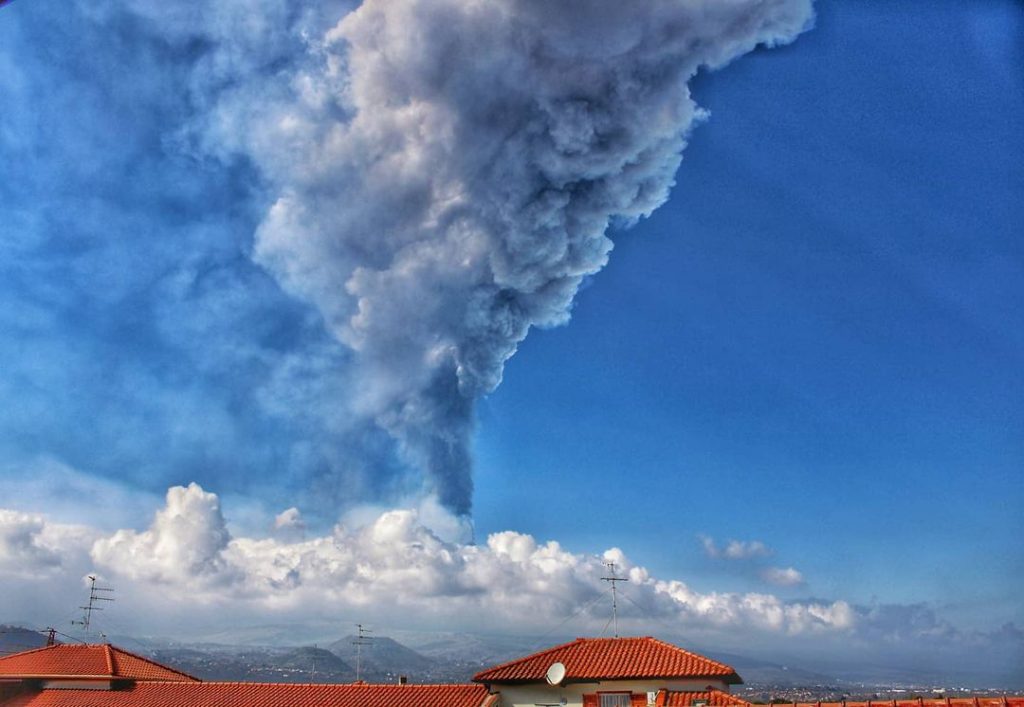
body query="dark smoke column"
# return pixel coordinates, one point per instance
(447, 170)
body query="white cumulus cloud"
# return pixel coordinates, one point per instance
(289, 525)
(184, 543)
(31, 547)
(782, 576)
(734, 549)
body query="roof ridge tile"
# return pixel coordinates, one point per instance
(618, 658)
(92, 661)
(109, 655)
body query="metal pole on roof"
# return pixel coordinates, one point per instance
(612, 580)
(91, 605)
(361, 640)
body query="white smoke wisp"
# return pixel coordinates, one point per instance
(445, 173)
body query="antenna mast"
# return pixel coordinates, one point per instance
(94, 596)
(613, 580)
(362, 639)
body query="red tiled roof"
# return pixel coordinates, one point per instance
(254, 694)
(713, 698)
(611, 659)
(97, 662)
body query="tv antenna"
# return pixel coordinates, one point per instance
(613, 580)
(361, 639)
(95, 595)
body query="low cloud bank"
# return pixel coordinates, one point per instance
(396, 561)
(187, 573)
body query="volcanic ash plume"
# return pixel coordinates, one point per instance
(445, 172)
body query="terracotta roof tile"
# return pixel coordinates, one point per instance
(611, 659)
(97, 662)
(1017, 701)
(713, 698)
(248, 694)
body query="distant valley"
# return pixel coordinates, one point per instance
(271, 655)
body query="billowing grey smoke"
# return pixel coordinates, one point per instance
(445, 172)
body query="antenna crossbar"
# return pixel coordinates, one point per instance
(94, 596)
(362, 639)
(614, 580)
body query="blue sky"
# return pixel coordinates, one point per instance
(815, 343)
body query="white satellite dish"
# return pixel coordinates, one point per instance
(555, 674)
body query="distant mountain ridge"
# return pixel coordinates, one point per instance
(468, 648)
(316, 661)
(446, 657)
(763, 672)
(382, 656)
(14, 639)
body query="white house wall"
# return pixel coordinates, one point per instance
(543, 694)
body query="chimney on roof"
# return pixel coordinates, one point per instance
(403, 680)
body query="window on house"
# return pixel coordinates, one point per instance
(614, 699)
